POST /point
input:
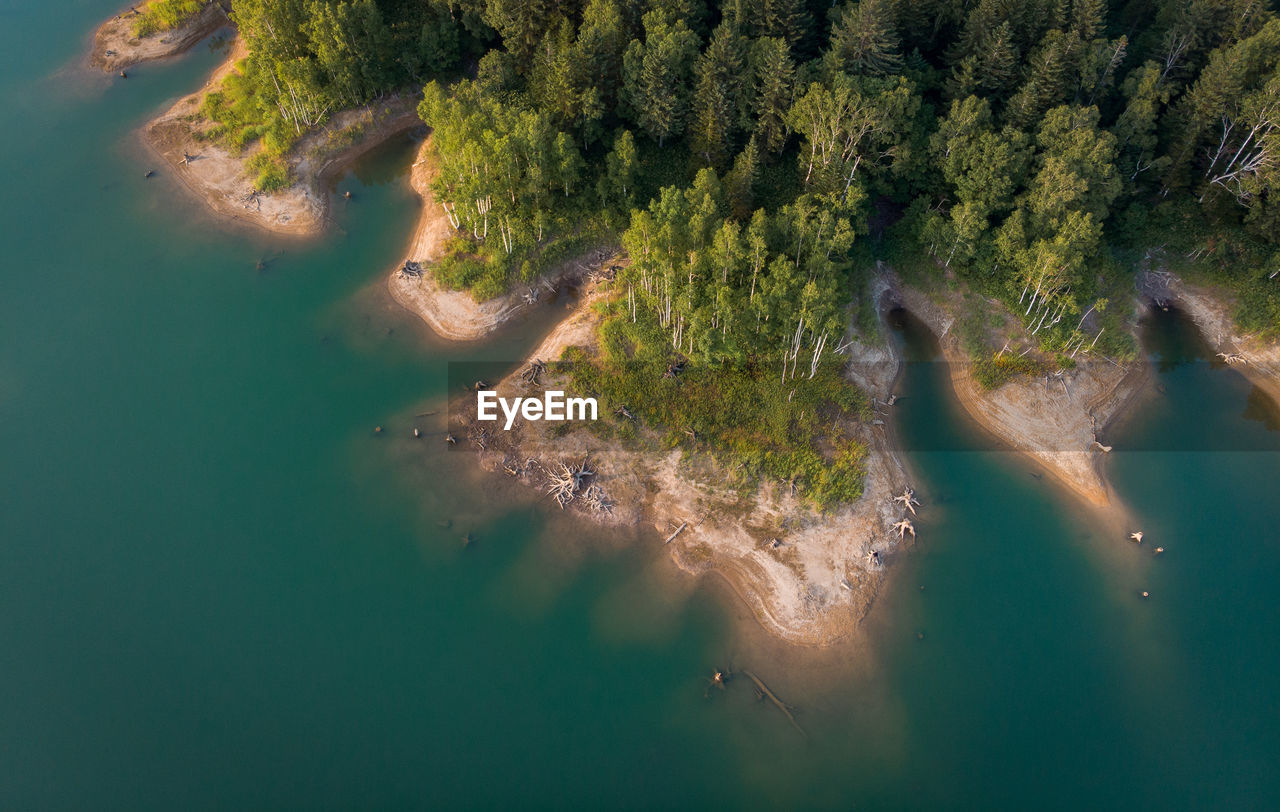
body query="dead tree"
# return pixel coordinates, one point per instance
(595, 498)
(567, 482)
(533, 372)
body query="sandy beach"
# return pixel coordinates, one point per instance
(454, 314)
(221, 179)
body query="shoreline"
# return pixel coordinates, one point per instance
(817, 588)
(1053, 426)
(1210, 308)
(114, 48)
(813, 588)
(453, 314)
(221, 180)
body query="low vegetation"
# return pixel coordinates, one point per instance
(756, 423)
(165, 15)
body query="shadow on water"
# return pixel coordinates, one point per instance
(1203, 477)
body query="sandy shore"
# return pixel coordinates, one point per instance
(1054, 421)
(454, 314)
(116, 48)
(812, 587)
(224, 183)
(1255, 358)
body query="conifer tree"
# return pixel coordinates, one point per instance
(656, 75)
(774, 74)
(863, 39)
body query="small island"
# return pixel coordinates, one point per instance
(739, 193)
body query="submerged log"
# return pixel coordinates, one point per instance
(763, 691)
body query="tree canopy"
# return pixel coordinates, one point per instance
(737, 146)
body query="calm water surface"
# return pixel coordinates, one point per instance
(218, 588)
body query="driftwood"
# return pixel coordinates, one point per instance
(533, 372)
(679, 530)
(566, 483)
(595, 498)
(908, 499)
(763, 691)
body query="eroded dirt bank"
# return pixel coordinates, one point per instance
(1256, 358)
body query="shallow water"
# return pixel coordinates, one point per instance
(219, 588)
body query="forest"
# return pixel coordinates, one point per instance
(740, 149)
(753, 157)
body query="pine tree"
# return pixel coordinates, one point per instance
(998, 60)
(721, 99)
(522, 24)
(656, 75)
(788, 19)
(1047, 79)
(863, 39)
(774, 74)
(1088, 18)
(740, 181)
(602, 38)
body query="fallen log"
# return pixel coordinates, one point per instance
(782, 706)
(679, 530)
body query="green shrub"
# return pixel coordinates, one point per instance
(165, 15)
(273, 171)
(994, 371)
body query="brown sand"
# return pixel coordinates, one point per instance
(223, 181)
(116, 48)
(1053, 421)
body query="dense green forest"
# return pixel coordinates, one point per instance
(754, 156)
(1020, 145)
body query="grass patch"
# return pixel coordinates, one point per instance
(239, 124)
(482, 267)
(165, 15)
(989, 368)
(754, 424)
(992, 372)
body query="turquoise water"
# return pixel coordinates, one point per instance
(219, 588)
